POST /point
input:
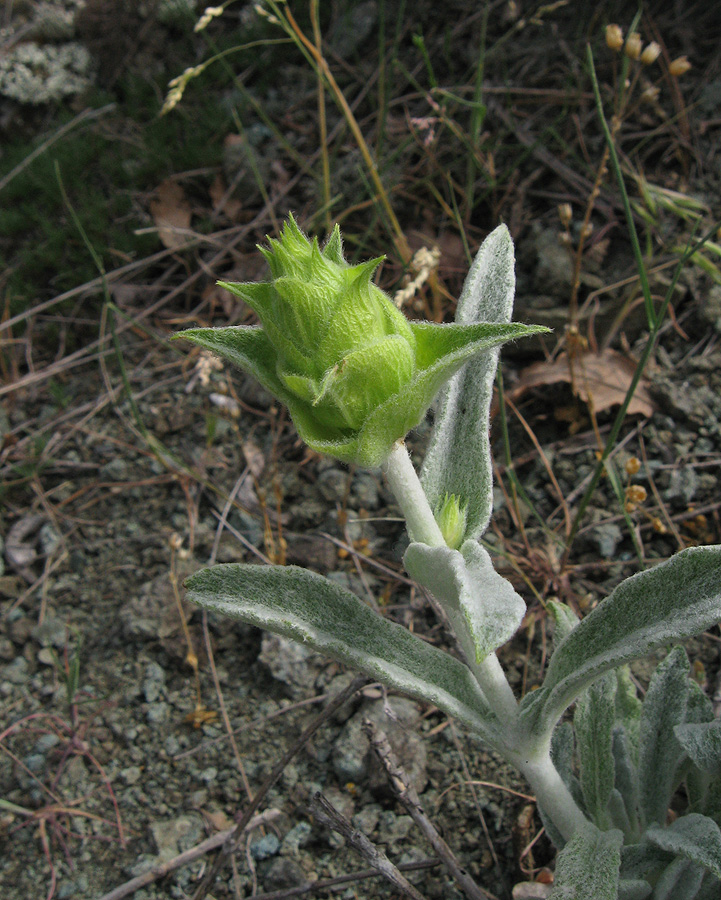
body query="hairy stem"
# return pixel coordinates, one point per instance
(552, 795)
(407, 490)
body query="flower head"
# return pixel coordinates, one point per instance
(355, 374)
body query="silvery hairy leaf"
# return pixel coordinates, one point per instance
(693, 837)
(588, 866)
(702, 743)
(633, 889)
(660, 755)
(593, 723)
(458, 460)
(483, 607)
(676, 599)
(312, 610)
(680, 880)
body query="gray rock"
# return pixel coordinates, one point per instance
(352, 760)
(683, 485)
(298, 836)
(51, 633)
(17, 672)
(608, 536)
(284, 873)
(290, 663)
(173, 836)
(333, 484)
(265, 847)
(153, 682)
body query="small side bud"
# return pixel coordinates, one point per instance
(633, 45)
(650, 54)
(614, 37)
(452, 520)
(679, 66)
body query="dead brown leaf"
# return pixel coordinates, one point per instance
(600, 378)
(224, 204)
(171, 212)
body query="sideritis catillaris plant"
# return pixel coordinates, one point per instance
(356, 377)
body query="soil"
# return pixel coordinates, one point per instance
(125, 742)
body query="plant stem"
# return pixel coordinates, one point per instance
(422, 527)
(407, 490)
(552, 795)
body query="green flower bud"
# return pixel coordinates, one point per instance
(452, 518)
(355, 374)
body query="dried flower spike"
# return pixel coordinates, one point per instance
(565, 214)
(679, 66)
(614, 37)
(633, 45)
(650, 54)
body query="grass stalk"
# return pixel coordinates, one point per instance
(655, 318)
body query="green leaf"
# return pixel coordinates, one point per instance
(458, 459)
(624, 775)
(659, 753)
(593, 723)
(310, 609)
(484, 609)
(680, 880)
(633, 889)
(564, 620)
(675, 600)
(628, 708)
(694, 837)
(244, 346)
(702, 743)
(588, 865)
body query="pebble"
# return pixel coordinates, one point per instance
(290, 663)
(284, 873)
(266, 847)
(683, 485)
(17, 672)
(351, 758)
(153, 682)
(297, 837)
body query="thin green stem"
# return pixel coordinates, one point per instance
(651, 315)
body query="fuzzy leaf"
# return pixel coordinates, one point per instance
(310, 609)
(695, 837)
(633, 889)
(458, 460)
(484, 608)
(675, 600)
(588, 866)
(564, 620)
(624, 774)
(680, 880)
(593, 723)
(660, 754)
(702, 743)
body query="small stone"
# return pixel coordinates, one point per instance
(608, 536)
(131, 775)
(284, 873)
(683, 485)
(297, 837)
(366, 819)
(154, 682)
(266, 847)
(291, 663)
(352, 760)
(17, 672)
